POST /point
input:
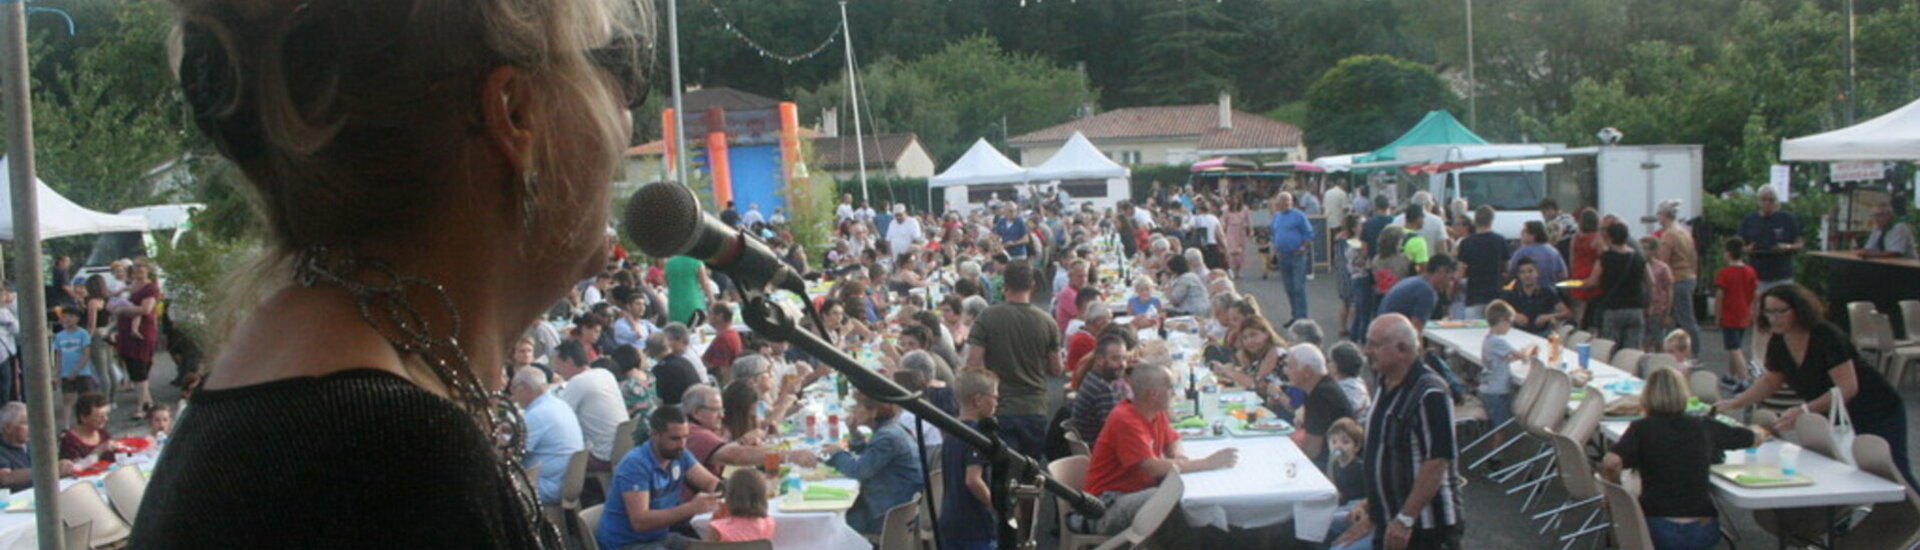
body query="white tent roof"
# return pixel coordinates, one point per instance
(981, 165)
(1336, 163)
(1078, 160)
(60, 217)
(1892, 136)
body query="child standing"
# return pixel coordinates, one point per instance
(1496, 382)
(70, 350)
(1345, 440)
(1735, 285)
(966, 513)
(746, 499)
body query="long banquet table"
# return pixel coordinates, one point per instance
(1834, 483)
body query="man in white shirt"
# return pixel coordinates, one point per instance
(1334, 203)
(844, 212)
(904, 231)
(1433, 228)
(779, 216)
(594, 396)
(752, 216)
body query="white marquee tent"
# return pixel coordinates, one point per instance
(1892, 136)
(60, 217)
(981, 166)
(1080, 160)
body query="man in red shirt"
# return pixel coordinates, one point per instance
(1138, 447)
(1095, 319)
(726, 344)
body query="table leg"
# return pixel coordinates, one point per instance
(1780, 530)
(1829, 527)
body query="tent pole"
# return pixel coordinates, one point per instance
(32, 295)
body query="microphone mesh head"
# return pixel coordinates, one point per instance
(661, 218)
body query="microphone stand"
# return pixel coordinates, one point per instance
(772, 321)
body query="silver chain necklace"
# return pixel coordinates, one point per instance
(381, 297)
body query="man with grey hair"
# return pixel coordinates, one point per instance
(1413, 494)
(553, 430)
(1137, 448)
(1307, 330)
(675, 372)
(1292, 244)
(1890, 238)
(1306, 369)
(1773, 237)
(16, 464)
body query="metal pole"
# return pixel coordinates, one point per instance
(1473, 101)
(853, 93)
(32, 295)
(679, 107)
(1852, 101)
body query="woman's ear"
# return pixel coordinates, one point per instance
(506, 100)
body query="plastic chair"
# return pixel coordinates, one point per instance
(622, 442)
(1523, 401)
(742, 545)
(1545, 416)
(1910, 319)
(1077, 445)
(82, 503)
(1602, 349)
(588, 525)
(1654, 361)
(897, 531)
(1628, 360)
(1705, 385)
(79, 535)
(1072, 472)
(590, 520)
(1629, 522)
(1807, 523)
(1583, 489)
(1893, 356)
(1891, 525)
(570, 488)
(126, 486)
(1858, 313)
(1815, 434)
(1578, 336)
(1585, 419)
(1152, 515)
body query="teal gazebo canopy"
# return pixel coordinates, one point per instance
(1437, 128)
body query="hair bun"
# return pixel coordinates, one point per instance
(210, 79)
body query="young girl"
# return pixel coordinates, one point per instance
(1346, 439)
(1680, 346)
(746, 501)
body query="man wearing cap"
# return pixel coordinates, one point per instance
(904, 231)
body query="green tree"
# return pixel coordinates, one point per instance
(1184, 54)
(1367, 100)
(969, 90)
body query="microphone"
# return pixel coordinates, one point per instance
(664, 220)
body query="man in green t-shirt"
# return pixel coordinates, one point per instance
(1019, 342)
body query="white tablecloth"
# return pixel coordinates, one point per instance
(807, 530)
(1257, 492)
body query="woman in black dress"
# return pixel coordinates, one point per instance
(1814, 356)
(431, 176)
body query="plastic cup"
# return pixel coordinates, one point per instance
(1586, 353)
(771, 464)
(1789, 460)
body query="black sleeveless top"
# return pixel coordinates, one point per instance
(354, 459)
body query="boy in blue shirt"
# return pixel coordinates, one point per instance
(70, 352)
(966, 516)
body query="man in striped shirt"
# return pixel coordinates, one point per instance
(1413, 493)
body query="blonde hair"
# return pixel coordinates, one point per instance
(1678, 339)
(348, 118)
(973, 382)
(1499, 311)
(1666, 392)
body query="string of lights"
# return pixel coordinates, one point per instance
(762, 50)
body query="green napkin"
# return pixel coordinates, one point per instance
(823, 492)
(1191, 422)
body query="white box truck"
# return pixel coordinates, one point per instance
(1629, 181)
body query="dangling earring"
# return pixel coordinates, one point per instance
(529, 199)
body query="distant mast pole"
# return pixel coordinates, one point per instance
(853, 93)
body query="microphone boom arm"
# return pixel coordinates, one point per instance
(775, 322)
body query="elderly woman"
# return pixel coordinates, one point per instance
(428, 175)
(887, 465)
(1673, 451)
(776, 397)
(1187, 294)
(1814, 356)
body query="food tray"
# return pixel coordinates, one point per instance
(1759, 476)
